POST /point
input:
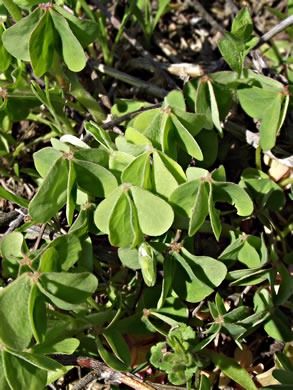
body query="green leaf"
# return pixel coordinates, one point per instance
(155, 216)
(27, 3)
(95, 155)
(200, 209)
(203, 343)
(60, 146)
(284, 376)
(104, 210)
(118, 345)
(5, 57)
(249, 277)
(66, 346)
(44, 159)
(38, 314)
(3, 382)
(186, 140)
(86, 31)
(94, 179)
(109, 359)
(118, 161)
(13, 198)
(233, 194)
(72, 50)
(278, 326)
(194, 173)
(129, 257)
(242, 24)
(214, 108)
(266, 83)
(168, 135)
(68, 248)
(148, 264)
(209, 145)
(36, 360)
(238, 314)
(233, 370)
(283, 361)
(137, 172)
(134, 136)
(198, 280)
(265, 105)
(75, 141)
(214, 215)
(129, 148)
(286, 285)
(183, 197)
(71, 193)
(201, 100)
(20, 374)
(51, 196)
(127, 106)
(41, 45)
(167, 174)
(65, 288)
(122, 215)
(16, 38)
(230, 253)
(204, 383)
(229, 49)
(220, 304)
(170, 267)
(263, 189)
(15, 327)
(160, 11)
(175, 99)
(173, 308)
(194, 123)
(99, 134)
(248, 255)
(149, 124)
(11, 245)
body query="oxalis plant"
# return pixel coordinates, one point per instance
(148, 195)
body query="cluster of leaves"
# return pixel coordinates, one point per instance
(152, 191)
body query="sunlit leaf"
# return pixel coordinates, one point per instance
(41, 45)
(21, 374)
(15, 327)
(72, 50)
(52, 194)
(233, 370)
(155, 216)
(16, 38)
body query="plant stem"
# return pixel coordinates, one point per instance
(13, 9)
(258, 157)
(274, 31)
(87, 9)
(285, 182)
(148, 87)
(85, 98)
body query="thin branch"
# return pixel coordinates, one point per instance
(85, 380)
(6, 218)
(126, 117)
(148, 87)
(102, 371)
(274, 31)
(22, 212)
(116, 121)
(40, 236)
